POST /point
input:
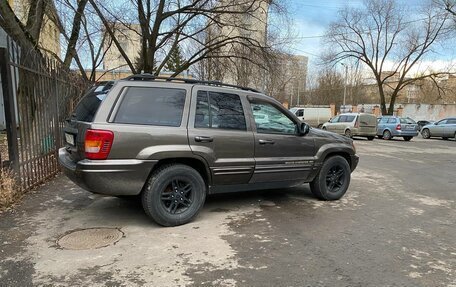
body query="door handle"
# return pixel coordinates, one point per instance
(266, 142)
(203, 139)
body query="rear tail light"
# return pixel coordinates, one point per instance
(398, 127)
(97, 143)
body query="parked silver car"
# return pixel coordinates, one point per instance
(353, 124)
(445, 129)
(393, 126)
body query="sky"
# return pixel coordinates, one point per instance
(312, 18)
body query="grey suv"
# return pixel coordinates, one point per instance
(173, 141)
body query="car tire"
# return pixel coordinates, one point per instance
(319, 126)
(324, 184)
(370, 138)
(387, 135)
(323, 128)
(426, 134)
(444, 138)
(348, 133)
(407, 139)
(174, 195)
(380, 136)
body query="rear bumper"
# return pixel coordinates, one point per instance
(405, 133)
(110, 177)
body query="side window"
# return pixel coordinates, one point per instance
(349, 119)
(343, 119)
(219, 110)
(300, 113)
(392, 120)
(384, 120)
(442, 122)
(151, 106)
(269, 119)
(335, 120)
(451, 121)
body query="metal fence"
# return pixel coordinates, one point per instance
(38, 95)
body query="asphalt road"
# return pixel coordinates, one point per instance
(395, 227)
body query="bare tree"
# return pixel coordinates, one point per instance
(380, 36)
(185, 23)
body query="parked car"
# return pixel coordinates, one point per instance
(353, 124)
(423, 123)
(172, 141)
(393, 126)
(445, 129)
(314, 116)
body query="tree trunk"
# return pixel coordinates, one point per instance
(71, 50)
(381, 91)
(392, 102)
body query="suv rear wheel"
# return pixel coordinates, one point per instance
(333, 180)
(174, 195)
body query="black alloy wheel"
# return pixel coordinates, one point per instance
(335, 178)
(177, 197)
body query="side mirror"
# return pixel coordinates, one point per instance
(303, 129)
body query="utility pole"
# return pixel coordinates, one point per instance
(345, 84)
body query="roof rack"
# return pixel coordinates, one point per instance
(150, 77)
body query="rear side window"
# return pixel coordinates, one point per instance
(346, 119)
(392, 120)
(368, 120)
(300, 113)
(219, 110)
(151, 106)
(451, 121)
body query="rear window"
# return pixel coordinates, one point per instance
(87, 108)
(151, 106)
(368, 120)
(407, 121)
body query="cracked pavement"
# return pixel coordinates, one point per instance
(394, 227)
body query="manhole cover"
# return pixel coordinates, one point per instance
(91, 238)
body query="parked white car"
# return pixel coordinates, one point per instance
(314, 116)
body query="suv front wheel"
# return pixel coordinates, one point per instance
(333, 180)
(174, 195)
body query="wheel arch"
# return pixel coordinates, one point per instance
(196, 163)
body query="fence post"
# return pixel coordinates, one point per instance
(10, 110)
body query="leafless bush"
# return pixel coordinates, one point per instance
(9, 192)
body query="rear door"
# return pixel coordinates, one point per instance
(367, 124)
(280, 153)
(81, 119)
(408, 124)
(219, 132)
(450, 128)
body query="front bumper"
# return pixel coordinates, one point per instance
(354, 162)
(110, 177)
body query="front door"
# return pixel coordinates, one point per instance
(219, 133)
(280, 153)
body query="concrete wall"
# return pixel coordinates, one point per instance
(415, 111)
(428, 112)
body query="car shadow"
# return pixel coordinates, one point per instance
(128, 211)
